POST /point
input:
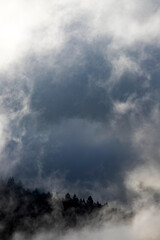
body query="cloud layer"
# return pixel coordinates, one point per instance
(79, 93)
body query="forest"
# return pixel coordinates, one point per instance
(27, 211)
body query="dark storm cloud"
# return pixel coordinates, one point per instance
(78, 85)
(74, 148)
(76, 90)
(69, 127)
(74, 129)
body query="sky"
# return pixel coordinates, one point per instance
(79, 95)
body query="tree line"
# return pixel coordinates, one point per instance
(25, 210)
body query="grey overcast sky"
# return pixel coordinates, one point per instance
(80, 94)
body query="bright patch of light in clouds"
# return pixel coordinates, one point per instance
(19, 20)
(36, 26)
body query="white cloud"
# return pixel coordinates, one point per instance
(124, 107)
(39, 26)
